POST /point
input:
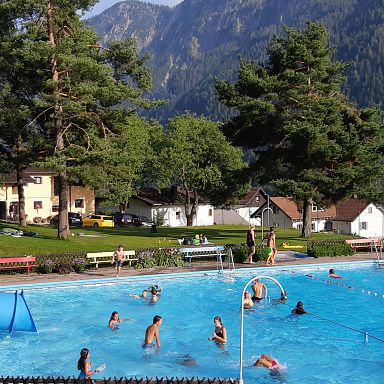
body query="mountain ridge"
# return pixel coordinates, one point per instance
(198, 40)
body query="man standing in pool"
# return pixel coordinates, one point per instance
(258, 289)
(152, 332)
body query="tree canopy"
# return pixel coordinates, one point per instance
(196, 156)
(308, 139)
(69, 88)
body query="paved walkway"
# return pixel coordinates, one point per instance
(283, 259)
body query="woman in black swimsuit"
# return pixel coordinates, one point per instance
(220, 333)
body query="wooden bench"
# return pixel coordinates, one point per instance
(18, 262)
(365, 243)
(107, 257)
(194, 252)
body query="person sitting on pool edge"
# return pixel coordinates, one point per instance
(248, 302)
(267, 361)
(333, 274)
(152, 332)
(115, 320)
(299, 310)
(220, 333)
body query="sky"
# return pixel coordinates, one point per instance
(104, 4)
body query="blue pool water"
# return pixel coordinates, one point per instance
(313, 350)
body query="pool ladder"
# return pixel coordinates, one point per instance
(220, 266)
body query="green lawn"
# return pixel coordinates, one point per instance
(136, 237)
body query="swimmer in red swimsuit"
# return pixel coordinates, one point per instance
(267, 361)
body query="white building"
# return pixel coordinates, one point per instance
(168, 208)
(356, 217)
(286, 213)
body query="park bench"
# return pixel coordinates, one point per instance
(372, 243)
(195, 252)
(97, 258)
(18, 262)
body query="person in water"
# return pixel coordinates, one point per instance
(115, 320)
(143, 295)
(266, 361)
(220, 333)
(84, 365)
(248, 303)
(155, 291)
(152, 332)
(299, 310)
(258, 289)
(334, 275)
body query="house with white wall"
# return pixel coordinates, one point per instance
(41, 196)
(285, 212)
(169, 208)
(356, 217)
(241, 213)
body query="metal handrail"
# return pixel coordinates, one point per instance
(242, 318)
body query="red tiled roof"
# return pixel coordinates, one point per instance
(291, 209)
(348, 210)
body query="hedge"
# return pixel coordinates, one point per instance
(323, 248)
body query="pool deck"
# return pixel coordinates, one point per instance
(284, 258)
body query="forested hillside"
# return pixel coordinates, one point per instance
(199, 40)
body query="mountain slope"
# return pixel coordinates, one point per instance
(199, 40)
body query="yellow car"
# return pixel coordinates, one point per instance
(98, 221)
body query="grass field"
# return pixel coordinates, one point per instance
(136, 237)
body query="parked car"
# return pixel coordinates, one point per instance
(146, 222)
(125, 219)
(98, 221)
(74, 220)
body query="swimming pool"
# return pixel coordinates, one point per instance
(313, 350)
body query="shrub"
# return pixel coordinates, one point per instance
(46, 266)
(240, 253)
(78, 264)
(160, 257)
(323, 248)
(63, 268)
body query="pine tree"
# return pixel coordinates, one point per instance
(309, 140)
(76, 87)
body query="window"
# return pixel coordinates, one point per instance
(313, 226)
(178, 215)
(363, 225)
(314, 208)
(209, 212)
(275, 209)
(369, 209)
(79, 203)
(38, 204)
(257, 198)
(15, 191)
(38, 180)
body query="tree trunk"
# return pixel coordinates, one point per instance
(307, 218)
(20, 191)
(190, 206)
(63, 225)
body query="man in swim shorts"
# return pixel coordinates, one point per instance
(118, 259)
(257, 289)
(152, 332)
